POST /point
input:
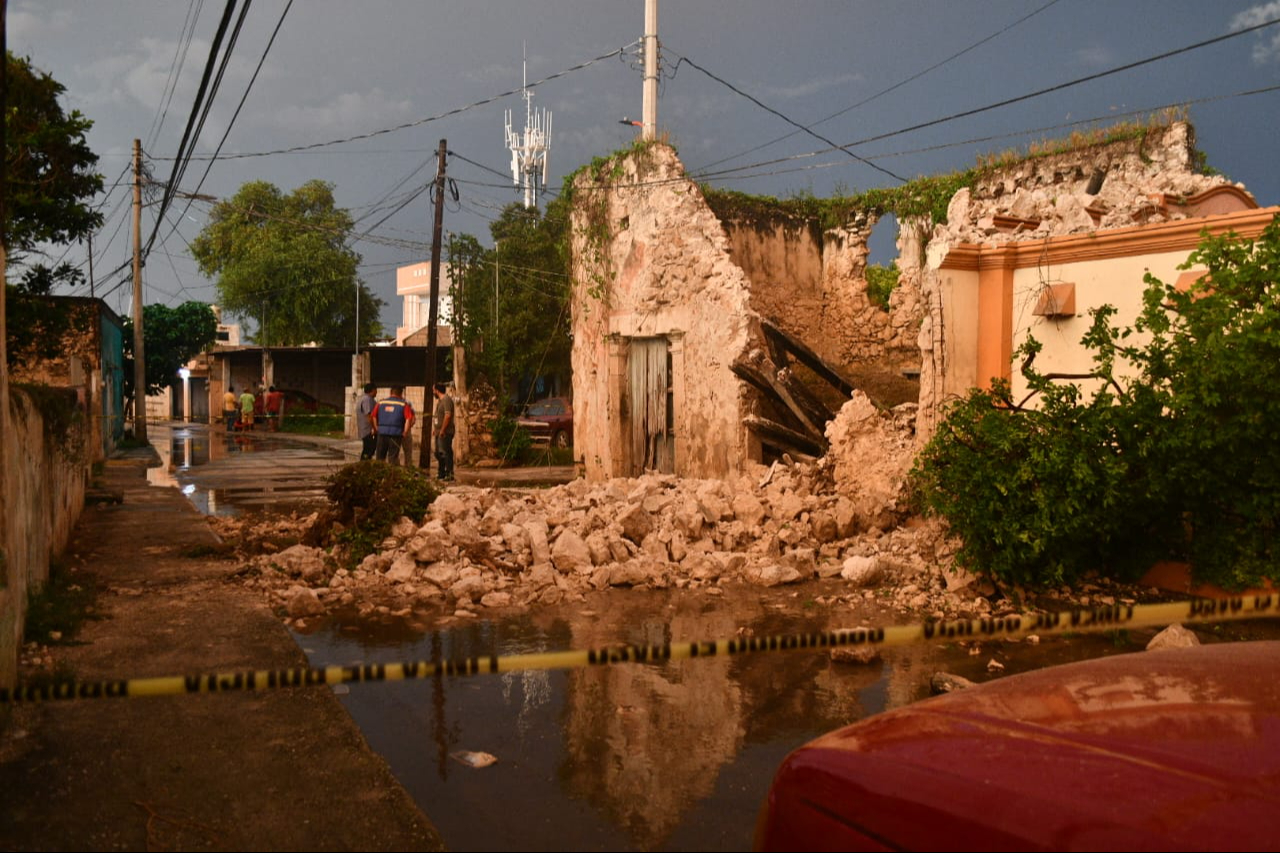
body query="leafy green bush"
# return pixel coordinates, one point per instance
(881, 281)
(1175, 457)
(369, 497)
(510, 439)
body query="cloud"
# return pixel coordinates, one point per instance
(1094, 56)
(493, 72)
(29, 23)
(1267, 48)
(349, 111)
(811, 87)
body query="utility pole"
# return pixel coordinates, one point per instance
(8, 574)
(649, 129)
(139, 357)
(90, 237)
(433, 313)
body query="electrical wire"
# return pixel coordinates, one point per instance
(787, 119)
(176, 65)
(1067, 85)
(425, 120)
(886, 90)
(262, 59)
(179, 162)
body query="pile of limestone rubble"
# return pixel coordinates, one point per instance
(839, 519)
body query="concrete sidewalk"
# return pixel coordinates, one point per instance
(279, 770)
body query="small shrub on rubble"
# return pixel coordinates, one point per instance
(368, 497)
(1169, 451)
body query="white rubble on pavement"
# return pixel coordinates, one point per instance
(1173, 637)
(498, 548)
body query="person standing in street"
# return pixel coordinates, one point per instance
(230, 408)
(247, 402)
(273, 403)
(366, 423)
(443, 430)
(394, 418)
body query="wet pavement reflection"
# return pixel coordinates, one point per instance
(228, 473)
(631, 757)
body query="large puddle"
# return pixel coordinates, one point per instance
(631, 757)
(228, 473)
(628, 757)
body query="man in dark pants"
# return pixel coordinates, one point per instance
(394, 418)
(443, 430)
(366, 425)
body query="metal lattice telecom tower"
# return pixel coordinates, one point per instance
(529, 149)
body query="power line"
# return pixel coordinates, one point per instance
(175, 69)
(422, 121)
(179, 163)
(787, 119)
(887, 90)
(1059, 87)
(262, 59)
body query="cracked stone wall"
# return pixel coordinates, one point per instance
(1126, 183)
(661, 264)
(669, 275)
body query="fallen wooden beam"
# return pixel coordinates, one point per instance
(784, 438)
(816, 409)
(807, 357)
(764, 378)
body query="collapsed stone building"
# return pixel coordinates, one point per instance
(713, 335)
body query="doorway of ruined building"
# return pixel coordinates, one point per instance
(651, 409)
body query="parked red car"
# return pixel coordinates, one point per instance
(1168, 750)
(550, 420)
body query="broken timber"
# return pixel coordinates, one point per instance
(770, 375)
(805, 356)
(784, 438)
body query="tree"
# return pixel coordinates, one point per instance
(171, 338)
(49, 166)
(514, 299)
(1174, 457)
(283, 261)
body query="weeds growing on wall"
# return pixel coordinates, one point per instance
(591, 198)
(926, 196)
(64, 422)
(1175, 457)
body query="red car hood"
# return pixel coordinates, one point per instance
(1156, 750)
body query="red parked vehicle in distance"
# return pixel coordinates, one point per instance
(1169, 750)
(549, 420)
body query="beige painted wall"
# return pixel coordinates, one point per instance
(1114, 281)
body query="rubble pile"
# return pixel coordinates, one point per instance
(789, 522)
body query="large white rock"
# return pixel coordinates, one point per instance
(538, 545)
(443, 575)
(401, 568)
(571, 554)
(862, 571)
(1173, 637)
(303, 601)
(636, 523)
(448, 506)
(771, 574)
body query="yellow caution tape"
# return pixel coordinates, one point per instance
(1067, 621)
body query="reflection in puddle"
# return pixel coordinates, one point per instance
(227, 473)
(672, 756)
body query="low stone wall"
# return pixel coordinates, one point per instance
(44, 486)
